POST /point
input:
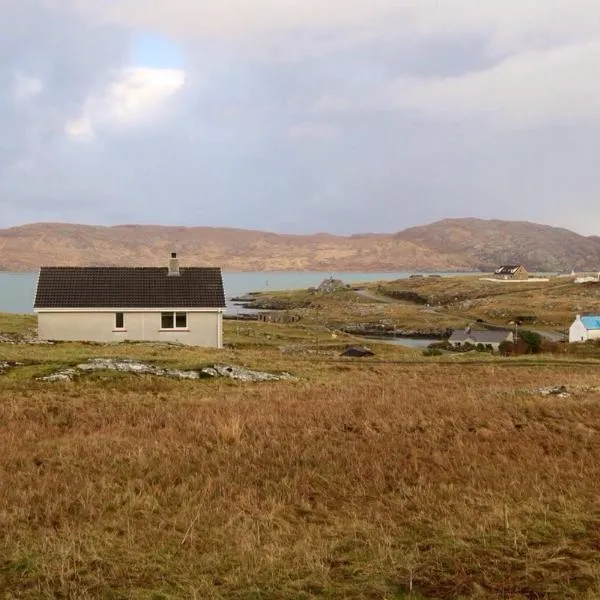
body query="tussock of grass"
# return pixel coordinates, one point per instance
(457, 482)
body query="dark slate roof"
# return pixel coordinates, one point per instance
(126, 287)
(507, 269)
(479, 336)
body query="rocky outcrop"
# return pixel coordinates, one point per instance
(243, 374)
(140, 368)
(330, 285)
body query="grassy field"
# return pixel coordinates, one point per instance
(392, 477)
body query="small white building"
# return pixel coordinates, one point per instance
(584, 329)
(117, 304)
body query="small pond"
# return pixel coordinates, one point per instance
(409, 342)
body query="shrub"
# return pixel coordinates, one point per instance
(532, 340)
(432, 352)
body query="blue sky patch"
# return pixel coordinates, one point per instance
(155, 51)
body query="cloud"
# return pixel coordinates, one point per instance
(134, 96)
(527, 89)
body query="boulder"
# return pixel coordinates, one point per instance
(331, 285)
(558, 390)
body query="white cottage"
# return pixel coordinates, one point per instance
(584, 329)
(113, 304)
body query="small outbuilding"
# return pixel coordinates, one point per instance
(114, 304)
(357, 352)
(584, 328)
(511, 272)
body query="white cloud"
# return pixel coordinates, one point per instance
(135, 96)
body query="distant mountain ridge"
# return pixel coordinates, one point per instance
(449, 245)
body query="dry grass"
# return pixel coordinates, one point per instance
(554, 303)
(16, 323)
(451, 479)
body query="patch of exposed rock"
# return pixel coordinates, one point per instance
(562, 391)
(330, 285)
(140, 368)
(243, 374)
(5, 365)
(16, 338)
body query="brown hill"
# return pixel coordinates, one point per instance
(449, 245)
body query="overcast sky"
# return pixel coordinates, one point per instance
(300, 115)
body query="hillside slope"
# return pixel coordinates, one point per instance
(449, 245)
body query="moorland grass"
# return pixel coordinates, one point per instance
(397, 476)
(375, 481)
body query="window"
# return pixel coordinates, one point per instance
(119, 321)
(173, 320)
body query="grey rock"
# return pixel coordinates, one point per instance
(331, 285)
(64, 375)
(559, 390)
(125, 365)
(243, 374)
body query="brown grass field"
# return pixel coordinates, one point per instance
(391, 477)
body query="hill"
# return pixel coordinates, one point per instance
(448, 245)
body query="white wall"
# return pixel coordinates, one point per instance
(204, 328)
(578, 332)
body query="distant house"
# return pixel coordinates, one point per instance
(487, 337)
(511, 272)
(112, 304)
(584, 328)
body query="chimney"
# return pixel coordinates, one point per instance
(174, 265)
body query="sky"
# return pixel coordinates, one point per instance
(300, 116)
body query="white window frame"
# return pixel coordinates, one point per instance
(174, 314)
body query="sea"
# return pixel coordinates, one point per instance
(17, 290)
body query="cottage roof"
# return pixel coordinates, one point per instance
(591, 322)
(129, 287)
(507, 269)
(479, 336)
